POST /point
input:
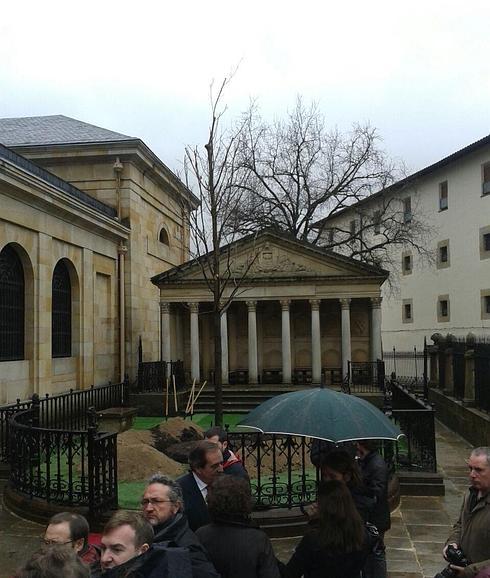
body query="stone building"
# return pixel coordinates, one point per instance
(87, 217)
(300, 312)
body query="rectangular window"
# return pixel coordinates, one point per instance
(486, 179)
(443, 307)
(407, 311)
(485, 304)
(377, 222)
(331, 235)
(407, 210)
(407, 264)
(484, 235)
(443, 254)
(443, 196)
(486, 242)
(352, 226)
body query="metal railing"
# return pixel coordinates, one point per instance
(73, 468)
(153, 375)
(67, 410)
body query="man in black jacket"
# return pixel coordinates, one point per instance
(205, 463)
(128, 551)
(232, 464)
(163, 506)
(375, 475)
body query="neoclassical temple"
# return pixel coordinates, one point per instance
(300, 315)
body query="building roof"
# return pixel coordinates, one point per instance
(26, 165)
(411, 179)
(178, 273)
(55, 129)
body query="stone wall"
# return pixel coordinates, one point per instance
(468, 422)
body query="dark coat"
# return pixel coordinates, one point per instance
(471, 532)
(195, 507)
(374, 472)
(177, 531)
(312, 560)
(233, 466)
(239, 550)
(364, 501)
(158, 562)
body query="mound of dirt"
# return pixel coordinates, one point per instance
(132, 437)
(139, 461)
(174, 431)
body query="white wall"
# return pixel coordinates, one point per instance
(466, 275)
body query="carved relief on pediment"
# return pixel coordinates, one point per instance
(270, 260)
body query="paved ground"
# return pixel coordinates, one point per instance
(419, 527)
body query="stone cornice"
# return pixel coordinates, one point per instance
(29, 189)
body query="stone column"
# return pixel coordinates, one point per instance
(286, 341)
(376, 346)
(252, 342)
(165, 352)
(316, 350)
(469, 382)
(346, 345)
(194, 309)
(224, 346)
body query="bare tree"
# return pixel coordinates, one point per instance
(304, 174)
(219, 179)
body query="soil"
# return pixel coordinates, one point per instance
(140, 461)
(142, 453)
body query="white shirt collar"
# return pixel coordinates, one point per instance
(200, 484)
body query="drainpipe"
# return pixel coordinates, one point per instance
(118, 169)
(122, 250)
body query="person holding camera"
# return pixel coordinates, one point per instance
(468, 547)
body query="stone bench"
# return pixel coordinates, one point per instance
(116, 419)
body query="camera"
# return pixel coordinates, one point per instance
(456, 557)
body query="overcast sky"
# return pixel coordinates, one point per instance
(418, 70)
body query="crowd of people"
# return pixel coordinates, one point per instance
(201, 526)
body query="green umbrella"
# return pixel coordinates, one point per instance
(321, 413)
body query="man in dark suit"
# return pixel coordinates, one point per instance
(205, 463)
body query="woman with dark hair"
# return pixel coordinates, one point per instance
(337, 543)
(339, 465)
(236, 547)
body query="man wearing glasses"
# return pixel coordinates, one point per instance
(163, 506)
(72, 529)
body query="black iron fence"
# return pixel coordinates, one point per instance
(281, 470)
(409, 367)
(461, 367)
(67, 410)
(366, 377)
(156, 376)
(76, 468)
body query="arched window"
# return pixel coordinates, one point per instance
(61, 312)
(11, 305)
(163, 237)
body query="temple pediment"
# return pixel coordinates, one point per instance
(272, 256)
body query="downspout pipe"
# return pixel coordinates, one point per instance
(122, 250)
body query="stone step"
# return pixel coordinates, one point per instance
(421, 484)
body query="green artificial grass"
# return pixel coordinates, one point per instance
(129, 494)
(141, 423)
(206, 420)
